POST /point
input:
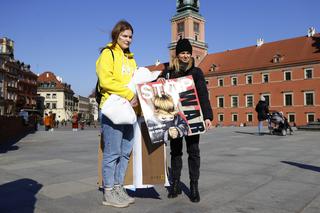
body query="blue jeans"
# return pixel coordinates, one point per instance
(260, 126)
(118, 143)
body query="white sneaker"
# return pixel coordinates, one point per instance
(123, 193)
(112, 198)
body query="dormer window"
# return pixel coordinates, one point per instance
(213, 67)
(276, 58)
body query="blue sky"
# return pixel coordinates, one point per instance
(64, 36)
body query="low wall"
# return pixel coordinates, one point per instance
(14, 128)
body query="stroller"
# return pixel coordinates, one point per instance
(278, 124)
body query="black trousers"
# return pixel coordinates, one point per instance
(193, 151)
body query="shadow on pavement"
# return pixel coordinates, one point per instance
(303, 166)
(10, 144)
(142, 193)
(252, 133)
(19, 196)
(145, 193)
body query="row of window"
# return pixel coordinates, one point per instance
(287, 99)
(54, 105)
(249, 117)
(29, 80)
(48, 85)
(180, 27)
(53, 96)
(196, 30)
(12, 83)
(12, 96)
(287, 76)
(51, 105)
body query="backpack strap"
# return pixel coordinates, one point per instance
(112, 59)
(98, 99)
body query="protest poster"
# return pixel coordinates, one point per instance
(171, 109)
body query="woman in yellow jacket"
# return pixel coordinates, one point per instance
(114, 68)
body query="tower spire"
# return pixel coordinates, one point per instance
(183, 5)
(188, 23)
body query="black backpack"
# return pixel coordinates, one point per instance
(98, 93)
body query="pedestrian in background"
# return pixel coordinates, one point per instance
(182, 65)
(114, 68)
(46, 122)
(75, 122)
(262, 109)
(52, 121)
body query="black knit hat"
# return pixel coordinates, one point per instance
(183, 45)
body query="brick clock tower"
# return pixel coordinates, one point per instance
(188, 23)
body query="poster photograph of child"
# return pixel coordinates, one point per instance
(171, 109)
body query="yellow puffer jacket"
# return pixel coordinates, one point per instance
(115, 73)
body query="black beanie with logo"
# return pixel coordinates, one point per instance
(183, 45)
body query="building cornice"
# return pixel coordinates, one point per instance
(187, 13)
(256, 69)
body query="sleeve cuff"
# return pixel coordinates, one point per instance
(130, 96)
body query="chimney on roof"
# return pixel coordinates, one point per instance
(6, 46)
(260, 41)
(59, 79)
(157, 62)
(311, 31)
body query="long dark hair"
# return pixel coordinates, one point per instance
(121, 26)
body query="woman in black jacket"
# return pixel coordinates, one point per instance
(183, 65)
(262, 109)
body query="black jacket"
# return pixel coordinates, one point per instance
(200, 84)
(262, 110)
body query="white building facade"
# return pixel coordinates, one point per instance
(58, 96)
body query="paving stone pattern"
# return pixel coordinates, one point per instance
(241, 172)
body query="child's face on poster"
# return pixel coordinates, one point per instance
(164, 117)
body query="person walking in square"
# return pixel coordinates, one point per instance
(262, 109)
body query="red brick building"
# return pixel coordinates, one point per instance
(285, 72)
(27, 88)
(18, 84)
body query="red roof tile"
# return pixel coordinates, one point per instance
(292, 51)
(51, 77)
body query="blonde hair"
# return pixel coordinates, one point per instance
(175, 63)
(164, 103)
